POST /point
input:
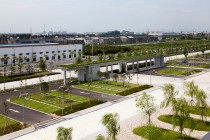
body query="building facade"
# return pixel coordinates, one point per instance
(30, 53)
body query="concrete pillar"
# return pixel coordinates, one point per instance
(150, 63)
(120, 67)
(64, 78)
(146, 63)
(106, 68)
(126, 67)
(132, 66)
(137, 64)
(111, 70)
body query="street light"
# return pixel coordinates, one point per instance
(23, 104)
(62, 88)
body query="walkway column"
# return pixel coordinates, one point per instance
(120, 67)
(106, 68)
(64, 77)
(137, 64)
(111, 70)
(126, 67)
(150, 63)
(146, 63)
(132, 66)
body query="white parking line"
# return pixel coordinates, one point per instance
(14, 111)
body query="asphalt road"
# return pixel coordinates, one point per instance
(32, 116)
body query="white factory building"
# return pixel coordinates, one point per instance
(30, 53)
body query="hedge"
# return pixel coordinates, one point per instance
(134, 90)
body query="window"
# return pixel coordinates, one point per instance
(40, 57)
(69, 50)
(40, 52)
(34, 53)
(53, 57)
(27, 53)
(5, 55)
(47, 52)
(53, 51)
(59, 51)
(20, 54)
(69, 56)
(75, 55)
(64, 56)
(64, 51)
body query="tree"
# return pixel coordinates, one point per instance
(129, 76)
(203, 51)
(111, 122)
(146, 104)
(185, 52)
(123, 77)
(169, 95)
(79, 58)
(107, 76)
(89, 59)
(42, 65)
(6, 112)
(201, 102)
(12, 69)
(20, 67)
(100, 137)
(181, 115)
(44, 87)
(115, 77)
(100, 57)
(64, 133)
(191, 90)
(99, 74)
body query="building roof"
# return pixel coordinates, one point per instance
(23, 45)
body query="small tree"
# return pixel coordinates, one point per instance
(44, 87)
(201, 102)
(12, 69)
(111, 122)
(146, 104)
(89, 59)
(115, 77)
(64, 133)
(181, 115)
(191, 90)
(107, 76)
(123, 78)
(185, 52)
(169, 95)
(79, 58)
(100, 137)
(100, 57)
(20, 67)
(42, 65)
(99, 74)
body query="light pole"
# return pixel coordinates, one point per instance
(23, 104)
(61, 88)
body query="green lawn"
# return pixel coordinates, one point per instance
(12, 125)
(157, 133)
(110, 87)
(177, 71)
(52, 102)
(25, 76)
(199, 125)
(205, 66)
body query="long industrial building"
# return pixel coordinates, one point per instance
(30, 53)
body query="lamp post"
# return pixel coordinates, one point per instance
(23, 104)
(61, 88)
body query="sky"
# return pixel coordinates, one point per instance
(24, 16)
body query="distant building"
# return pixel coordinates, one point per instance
(34, 52)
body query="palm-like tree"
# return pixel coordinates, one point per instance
(115, 77)
(182, 115)
(64, 133)
(169, 95)
(111, 122)
(146, 104)
(191, 90)
(123, 77)
(201, 102)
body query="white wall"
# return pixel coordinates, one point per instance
(40, 51)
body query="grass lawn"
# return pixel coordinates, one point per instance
(12, 125)
(110, 87)
(51, 102)
(199, 125)
(25, 76)
(205, 66)
(158, 133)
(177, 71)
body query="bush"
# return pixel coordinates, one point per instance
(133, 90)
(11, 128)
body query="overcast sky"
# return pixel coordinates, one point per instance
(104, 15)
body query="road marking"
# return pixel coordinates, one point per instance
(14, 111)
